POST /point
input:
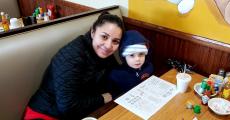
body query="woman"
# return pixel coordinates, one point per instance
(74, 85)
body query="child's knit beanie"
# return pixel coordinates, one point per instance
(133, 42)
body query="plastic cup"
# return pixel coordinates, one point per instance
(14, 23)
(183, 80)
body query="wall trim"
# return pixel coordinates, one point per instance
(56, 21)
(185, 36)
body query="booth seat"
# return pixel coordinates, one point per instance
(25, 55)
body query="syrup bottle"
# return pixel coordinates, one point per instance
(226, 90)
(5, 23)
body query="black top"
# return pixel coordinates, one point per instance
(73, 82)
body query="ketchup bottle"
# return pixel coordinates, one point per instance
(51, 12)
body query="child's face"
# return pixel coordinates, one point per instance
(135, 60)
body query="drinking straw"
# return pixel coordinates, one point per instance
(184, 67)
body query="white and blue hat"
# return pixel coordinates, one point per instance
(133, 42)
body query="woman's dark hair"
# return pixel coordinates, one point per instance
(110, 18)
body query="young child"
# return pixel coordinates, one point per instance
(135, 66)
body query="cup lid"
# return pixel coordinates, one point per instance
(184, 76)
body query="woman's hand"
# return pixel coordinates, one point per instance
(107, 97)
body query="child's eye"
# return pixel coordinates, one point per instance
(116, 42)
(141, 54)
(132, 55)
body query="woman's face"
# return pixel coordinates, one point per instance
(106, 39)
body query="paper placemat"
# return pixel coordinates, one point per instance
(148, 97)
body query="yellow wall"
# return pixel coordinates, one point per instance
(204, 20)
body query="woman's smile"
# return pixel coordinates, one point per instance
(104, 50)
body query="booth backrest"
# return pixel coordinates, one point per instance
(25, 56)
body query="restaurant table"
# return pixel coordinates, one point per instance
(175, 109)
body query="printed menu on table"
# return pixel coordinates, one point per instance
(148, 97)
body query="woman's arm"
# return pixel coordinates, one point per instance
(72, 96)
